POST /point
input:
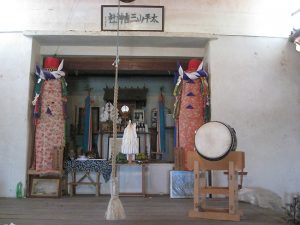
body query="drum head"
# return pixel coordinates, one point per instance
(214, 140)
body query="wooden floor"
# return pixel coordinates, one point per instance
(90, 210)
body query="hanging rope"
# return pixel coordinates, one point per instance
(115, 210)
(116, 93)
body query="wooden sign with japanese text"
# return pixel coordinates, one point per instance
(132, 18)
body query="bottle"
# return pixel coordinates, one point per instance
(19, 190)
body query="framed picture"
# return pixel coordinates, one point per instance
(138, 115)
(132, 18)
(47, 187)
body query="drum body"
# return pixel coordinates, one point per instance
(214, 140)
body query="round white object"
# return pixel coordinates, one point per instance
(214, 140)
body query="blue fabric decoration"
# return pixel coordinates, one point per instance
(162, 133)
(202, 73)
(190, 94)
(49, 111)
(86, 130)
(46, 74)
(189, 106)
(185, 77)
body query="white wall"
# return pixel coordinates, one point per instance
(230, 17)
(255, 88)
(35, 58)
(15, 66)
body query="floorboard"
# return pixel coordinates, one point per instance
(90, 210)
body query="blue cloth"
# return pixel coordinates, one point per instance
(86, 129)
(89, 165)
(162, 133)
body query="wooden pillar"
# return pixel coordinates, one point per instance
(202, 179)
(72, 184)
(196, 186)
(233, 189)
(97, 185)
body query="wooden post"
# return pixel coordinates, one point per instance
(143, 180)
(97, 185)
(72, 184)
(233, 189)
(202, 179)
(196, 186)
(130, 156)
(176, 158)
(181, 158)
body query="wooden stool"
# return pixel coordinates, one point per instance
(233, 162)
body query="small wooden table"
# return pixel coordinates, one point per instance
(87, 166)
(74, 183)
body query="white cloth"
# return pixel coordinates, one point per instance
(130, 144)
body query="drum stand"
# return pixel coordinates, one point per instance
(233, 163)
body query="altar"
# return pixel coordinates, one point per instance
(151, 178)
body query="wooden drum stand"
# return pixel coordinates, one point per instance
(234, 163)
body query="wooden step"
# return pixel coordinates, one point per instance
(214, 215)
(214, 190)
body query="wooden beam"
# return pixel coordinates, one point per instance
(86, 65)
